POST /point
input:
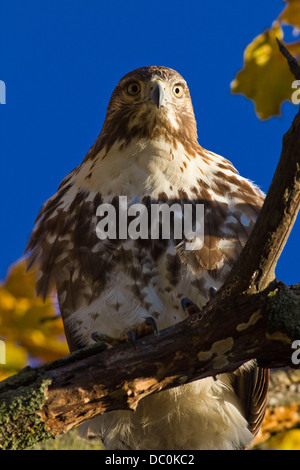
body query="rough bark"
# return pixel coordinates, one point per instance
(52, 399)
(252, 317)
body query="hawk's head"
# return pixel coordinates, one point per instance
(150, 102)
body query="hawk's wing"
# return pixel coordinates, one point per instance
(67, 253)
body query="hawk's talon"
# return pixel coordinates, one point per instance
(152, 325)
(146, 328)
(131, 338)
(99, 337)
(212, 292)
(189, 307)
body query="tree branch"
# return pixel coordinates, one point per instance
(61, 395)
(251, 317)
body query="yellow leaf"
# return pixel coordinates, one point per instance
(13, 358)
(7, 301)
(291, 13)
(28, 320)
(266, 78)
(288, 440)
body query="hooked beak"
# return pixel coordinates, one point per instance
(158, 93)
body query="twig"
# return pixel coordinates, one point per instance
(293, 64)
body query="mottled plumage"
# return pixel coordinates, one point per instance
(148, 151)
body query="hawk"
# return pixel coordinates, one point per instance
(148, 151)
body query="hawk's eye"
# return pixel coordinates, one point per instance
(133, 89)
(178, 91)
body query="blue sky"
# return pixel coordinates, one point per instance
(61, 60)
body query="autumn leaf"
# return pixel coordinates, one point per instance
(291, 13)
(31, 328)
(266, 78)
(13, 358)
(288, 440)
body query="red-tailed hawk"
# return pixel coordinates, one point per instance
(148, 151)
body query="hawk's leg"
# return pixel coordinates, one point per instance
(147, 327)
